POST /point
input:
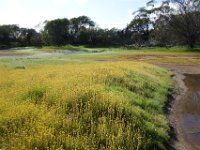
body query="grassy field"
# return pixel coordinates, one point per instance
(29, 57)
(54, 98)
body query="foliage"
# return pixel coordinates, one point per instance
(168, 22)
(84, 106)
(56, 32)
(8, 33)
(163, 23)
(79, 28)
(186, 23)
(140, 30)
(14, 36)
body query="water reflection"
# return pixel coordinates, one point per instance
(190, 111)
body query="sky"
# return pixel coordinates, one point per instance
(106, 13)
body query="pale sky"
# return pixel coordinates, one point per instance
(106, 13)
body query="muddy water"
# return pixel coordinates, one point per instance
(190, 112)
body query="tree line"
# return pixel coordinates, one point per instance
(167, 23)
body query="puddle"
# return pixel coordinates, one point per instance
(190, 111)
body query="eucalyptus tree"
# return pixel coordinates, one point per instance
(146, 19)
(29, 37)
(185, 22)
(140, 25)
(169, 21)
(79, 24)
(56, 32)
(9, 34)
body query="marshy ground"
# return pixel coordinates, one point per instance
(185, 115)
(119, 83)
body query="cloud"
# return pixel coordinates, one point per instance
(173, 5)
(124, 22)
(119, 22)
(17, 12)
(81, 2)
(29, 13)
(61, 1)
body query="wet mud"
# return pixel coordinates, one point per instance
(189, 114)
(184, 109)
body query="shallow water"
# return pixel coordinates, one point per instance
(190, 111)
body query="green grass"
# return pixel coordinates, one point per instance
(76, 97)
(86, 98)
(71, 48)
(84, 106)
(55, 55)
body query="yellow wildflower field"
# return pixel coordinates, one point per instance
(83, 106)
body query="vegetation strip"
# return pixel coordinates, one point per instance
(85, 106)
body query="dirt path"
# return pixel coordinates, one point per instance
(185, 111)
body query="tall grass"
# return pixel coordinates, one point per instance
(85, 106)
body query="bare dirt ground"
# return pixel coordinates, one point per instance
(164, 56)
